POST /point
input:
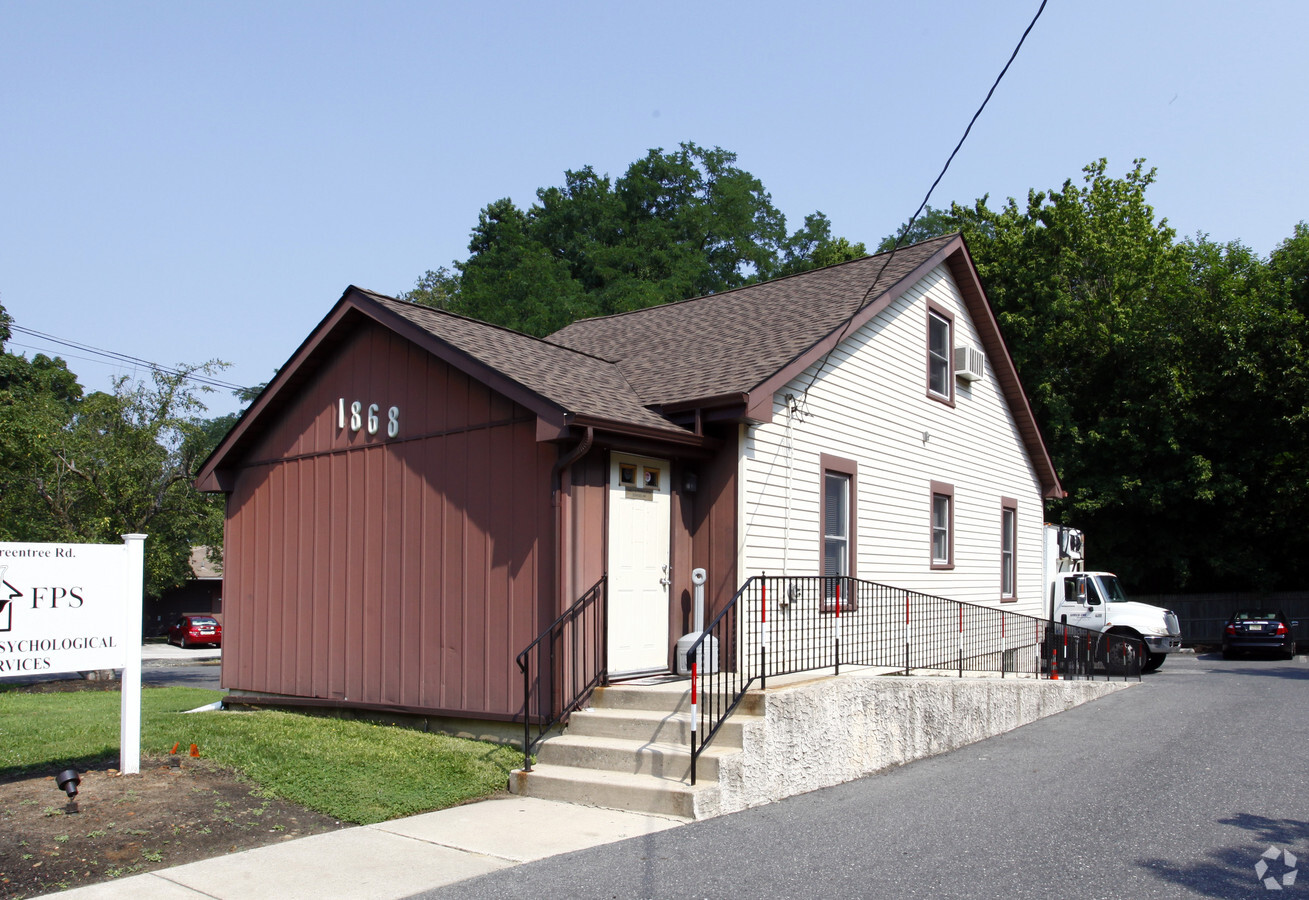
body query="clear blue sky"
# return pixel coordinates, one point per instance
(187, 181)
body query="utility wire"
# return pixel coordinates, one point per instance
(910, 224)
(133, 360)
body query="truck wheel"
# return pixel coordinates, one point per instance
(1120, 659)
(1153, 661)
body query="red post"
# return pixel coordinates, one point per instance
(906, 633)
(838, 626)
(695, 680)
(961, 641)
(763, 631)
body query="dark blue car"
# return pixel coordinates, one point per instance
(1258, 629)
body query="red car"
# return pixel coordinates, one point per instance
(190, 630)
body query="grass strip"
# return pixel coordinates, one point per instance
(351, 770)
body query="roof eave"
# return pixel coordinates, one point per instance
(675, 437)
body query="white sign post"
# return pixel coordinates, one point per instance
(77, 608)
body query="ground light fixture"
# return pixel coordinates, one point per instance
(68, 780)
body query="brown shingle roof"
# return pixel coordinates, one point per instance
(571, 380)
(609, 370)
(732, 342)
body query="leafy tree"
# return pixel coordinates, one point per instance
(513, 279)
(92, 468)
(438, 288)
(931, 223)
(813, 247)
(1289, 265)
(126, 463)
(1150, 364)
(37, 399)
(676, 224)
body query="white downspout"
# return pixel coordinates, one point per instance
(790, 475)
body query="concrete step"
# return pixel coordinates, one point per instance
(616, 790)
(675, 696)
(652, 727)
(669, 762)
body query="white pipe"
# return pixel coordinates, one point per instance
(698, 578)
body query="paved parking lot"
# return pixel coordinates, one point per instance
(1175, 788)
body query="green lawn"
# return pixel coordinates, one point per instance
(351, 770)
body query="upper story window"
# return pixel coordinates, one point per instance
(940, 354)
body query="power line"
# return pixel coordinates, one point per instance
(910, 224)
(132, 360)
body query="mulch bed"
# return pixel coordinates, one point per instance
(128, 824)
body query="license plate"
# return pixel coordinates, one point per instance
(1255, 626)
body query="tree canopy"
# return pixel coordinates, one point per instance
(1168, 377)
(90, 468)
(675, 225)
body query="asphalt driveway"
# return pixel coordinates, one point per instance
(1176, 788)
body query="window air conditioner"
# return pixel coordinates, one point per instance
(969, 363)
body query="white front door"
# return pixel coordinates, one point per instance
(639, 525)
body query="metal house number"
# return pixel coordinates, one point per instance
(358, 417)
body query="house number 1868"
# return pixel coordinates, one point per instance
(358, 417)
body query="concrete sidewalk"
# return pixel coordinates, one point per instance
(391, 859)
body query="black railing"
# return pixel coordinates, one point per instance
(784, 625)
(1068, 651)
(563, 666)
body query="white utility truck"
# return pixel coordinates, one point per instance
(1095, 600)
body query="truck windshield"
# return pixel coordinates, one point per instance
(1111, 589)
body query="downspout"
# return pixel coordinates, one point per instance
(790, 477)
(556, 494)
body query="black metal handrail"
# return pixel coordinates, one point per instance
(570, 664)
(784, 625)
(714, 662)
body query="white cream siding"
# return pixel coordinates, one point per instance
(869, 404)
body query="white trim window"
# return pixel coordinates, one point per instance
(837, 530)
(1009, 549)
(939, 363)
(942, 525)
(836, 523)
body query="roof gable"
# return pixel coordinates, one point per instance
(559, 385)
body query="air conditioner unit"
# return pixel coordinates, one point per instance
(969, 363)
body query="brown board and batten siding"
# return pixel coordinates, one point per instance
(401, 572)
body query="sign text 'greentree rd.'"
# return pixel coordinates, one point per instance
(61, 608)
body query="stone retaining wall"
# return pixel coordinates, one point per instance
(819, 733)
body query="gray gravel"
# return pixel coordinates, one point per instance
(1170, 789)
